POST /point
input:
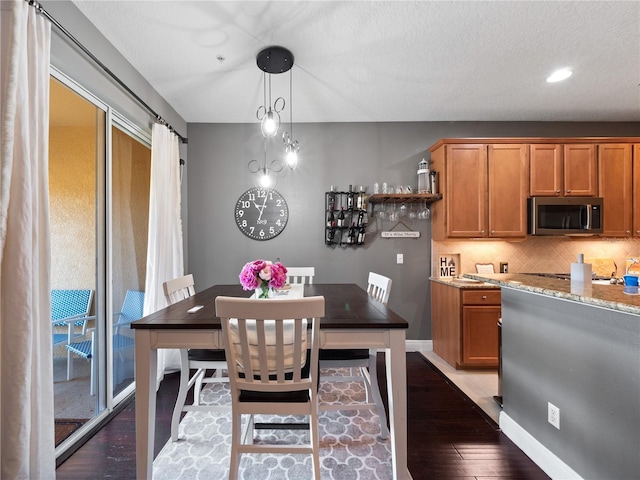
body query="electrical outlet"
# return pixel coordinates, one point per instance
(399, 258)
(554, 415)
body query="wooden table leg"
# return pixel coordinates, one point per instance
(396, 365)
(146, 372)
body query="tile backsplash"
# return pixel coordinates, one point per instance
(535, 254)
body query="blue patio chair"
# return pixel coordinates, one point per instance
(132, 310)
(70, 309)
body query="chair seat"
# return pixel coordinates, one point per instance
(83, 349)
(207, 355)
(336, 354)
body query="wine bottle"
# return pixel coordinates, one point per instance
(331, 233)
(341, 217)
(361, 234)
(331, 199)
(351, 239)
(350, 197)
(331, 221)
(360, 217)
(360, 198)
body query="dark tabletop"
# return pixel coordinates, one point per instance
(346, 306)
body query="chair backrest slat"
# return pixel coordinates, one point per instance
(266, 341)
(379, 287)
(300, 275)
(179, 288)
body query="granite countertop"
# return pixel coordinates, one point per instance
(606, 296)
(463, 282)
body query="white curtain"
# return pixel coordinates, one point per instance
(27, 445)
(164, 252)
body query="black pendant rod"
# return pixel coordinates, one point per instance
(104, 67)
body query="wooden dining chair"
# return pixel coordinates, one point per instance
(199, 360)
(300, 275)
(273, 369)
(362, 363)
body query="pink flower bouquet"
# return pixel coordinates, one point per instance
(263, 275)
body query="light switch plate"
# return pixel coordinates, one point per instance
(400, 258)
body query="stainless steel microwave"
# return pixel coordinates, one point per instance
(564, 215)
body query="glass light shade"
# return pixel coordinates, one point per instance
(270, 123)
(291, 156)
(266, 178)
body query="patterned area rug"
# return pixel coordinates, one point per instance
(350, 443)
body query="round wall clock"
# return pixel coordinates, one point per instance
(261, 213)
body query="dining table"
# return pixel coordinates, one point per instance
(353, 320)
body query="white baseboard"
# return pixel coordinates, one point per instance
(541, 455)
(418, 345)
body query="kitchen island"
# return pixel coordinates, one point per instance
(576, 347)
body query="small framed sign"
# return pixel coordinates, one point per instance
(403, 234)
(448, 266)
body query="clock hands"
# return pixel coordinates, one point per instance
(264, 204)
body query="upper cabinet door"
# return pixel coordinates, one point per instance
(580, 170)
(508, 172)
(615, 186)
(636, 190)
(466, 201)
(546, 170)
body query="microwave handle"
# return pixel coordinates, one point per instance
(589, 217)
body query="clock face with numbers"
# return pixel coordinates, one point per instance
(261, 213)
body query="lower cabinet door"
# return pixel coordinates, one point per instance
(480, 335)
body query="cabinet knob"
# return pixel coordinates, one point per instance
(557, 191)
(628, 232)
(484, 297)
(493, 232)
(482, 232)
(568, 191)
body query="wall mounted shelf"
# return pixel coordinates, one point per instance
(404, 197)
(380, 198)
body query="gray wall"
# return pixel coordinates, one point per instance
(586, 361)
(331, 154)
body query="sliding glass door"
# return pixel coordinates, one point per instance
(129, 206)
(99, 176)
(75, 161)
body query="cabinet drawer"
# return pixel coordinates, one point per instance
(481, 297)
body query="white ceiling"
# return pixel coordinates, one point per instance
(379, 61)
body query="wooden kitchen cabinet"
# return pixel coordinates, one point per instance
(485, 182)
(508, 182)
(465, 325)
(615, 185)
(580, 170)
(466, 184)
(636, 190)
(546, 170)
(477, 180)
(568, 170)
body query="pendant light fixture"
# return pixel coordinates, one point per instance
(274, 60)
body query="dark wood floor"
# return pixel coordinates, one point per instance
(448, 436)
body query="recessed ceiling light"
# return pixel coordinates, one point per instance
(559, 75)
